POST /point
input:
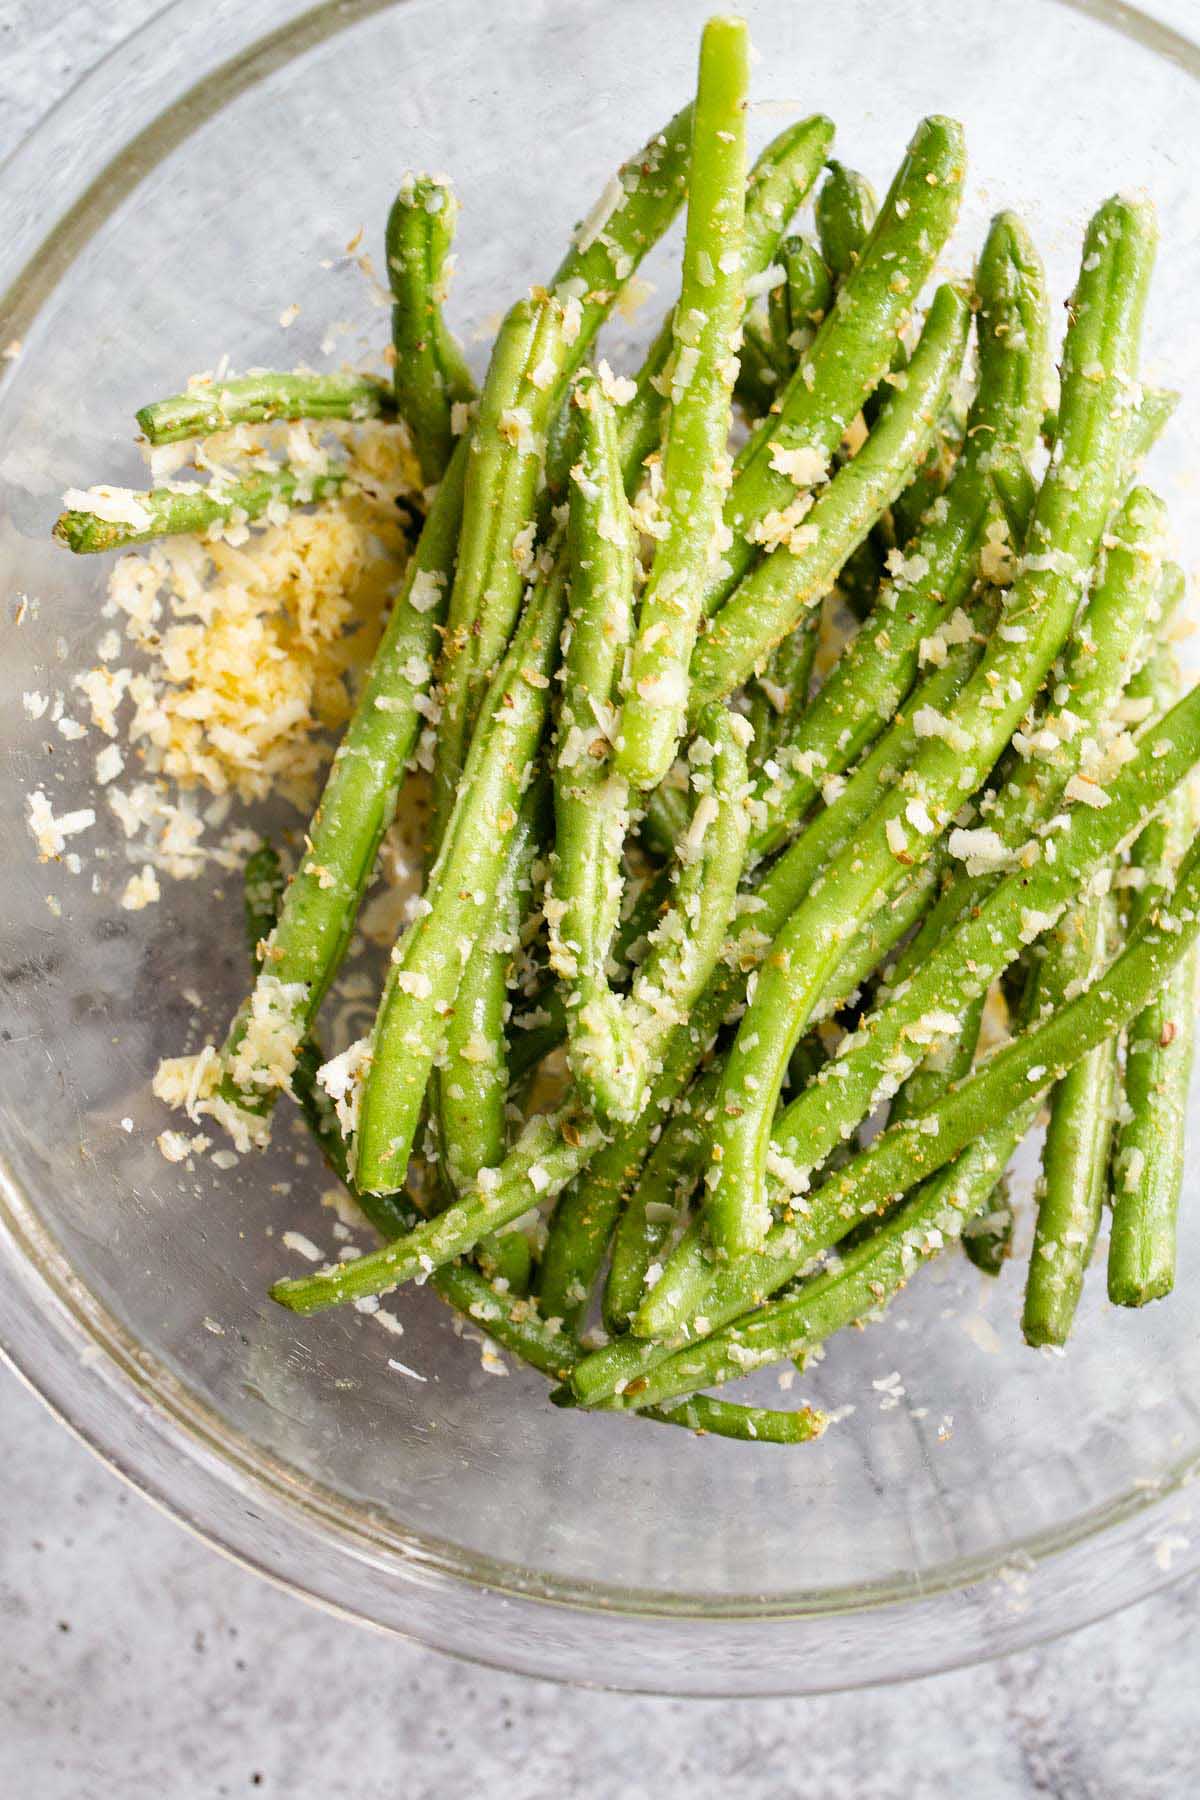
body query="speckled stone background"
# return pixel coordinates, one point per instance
(136, 1663)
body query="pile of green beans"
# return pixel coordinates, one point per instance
(763, 891)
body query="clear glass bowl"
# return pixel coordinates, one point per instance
(167, 213)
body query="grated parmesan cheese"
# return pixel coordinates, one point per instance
(804, 466)
(1085, 791)
(141, 890)
(50, 833)
(342, 1078)
(249, 653)
(785, 525)
(982, 849)
(929, 722)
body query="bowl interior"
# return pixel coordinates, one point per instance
(981, 1450)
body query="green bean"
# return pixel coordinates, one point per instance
(907, 513)
(263, 887)
(857, 1286)
(516, 1324)
(864, 689)
(792, 875)
(854, 345)
(391, 1215)
(606, 242)
(672, 1171)
(849, 208)
(588, 1210)
(514, 1321)
(930, 1005)
(706, 326)
(508, 1259)
(1105, 645)
(262, 893)
(616, 1048)
(551, 1148)
(469, 1095)
(873, 1264)
(797, 305)
(987, 1235)
(926, 1009)
(500, 1310)
(1016, 492)
(470, 1084)
(1148, 1161)
(952, 1060)
(1069, 516)
(1100, 657)
(1151, 415)
(458, 901)
(587, 1213)
(982, 899)
(543, 341)
(707, 1416)
(591, 801)
(1094, 670)
(855, 1289)
(116, 517)
(889, 925)
(779, 181)
(1074, 1176)
(634, 210)
(541, 1024)
(518, 1327)
(267, 394)
(779, 696)
(525, 379)
(613, 1043)
(874, 1060)
(684, 948)
(656, 1027)
(775, 187)
(845, 212)
(826, 915)
(1150, 419)
(846, 209)
(430, 374)
(1006, 1087)
(632, 213)
(758, 379)
(836, 825)
(811, 544)
(356, 808)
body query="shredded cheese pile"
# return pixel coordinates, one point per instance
(250, 639)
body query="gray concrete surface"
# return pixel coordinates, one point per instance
(139, 1665)
(136, 1663)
